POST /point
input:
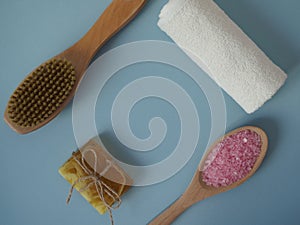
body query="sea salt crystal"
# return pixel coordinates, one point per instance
(232, 159)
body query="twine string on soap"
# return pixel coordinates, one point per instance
(97, 180)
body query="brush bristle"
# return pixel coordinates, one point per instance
(41, 93)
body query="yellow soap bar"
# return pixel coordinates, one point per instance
(114, 179)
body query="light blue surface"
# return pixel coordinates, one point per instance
(32, 192)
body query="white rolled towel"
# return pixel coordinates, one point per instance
(223, 50)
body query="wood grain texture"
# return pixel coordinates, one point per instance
(198, 190)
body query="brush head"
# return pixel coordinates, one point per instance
(41, 93)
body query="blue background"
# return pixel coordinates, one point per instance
(32, 192)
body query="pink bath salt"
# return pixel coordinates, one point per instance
(232, 158)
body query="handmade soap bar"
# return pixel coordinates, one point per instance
(96, 176)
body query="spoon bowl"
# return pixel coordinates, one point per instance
(198, 190)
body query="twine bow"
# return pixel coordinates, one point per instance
(96, 179)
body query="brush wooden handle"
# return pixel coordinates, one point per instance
(113, 19)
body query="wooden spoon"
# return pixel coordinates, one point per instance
(198, 190)
(36, 101)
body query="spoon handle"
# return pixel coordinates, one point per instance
(171, 213)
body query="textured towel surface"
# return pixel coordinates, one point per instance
(223, 50)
